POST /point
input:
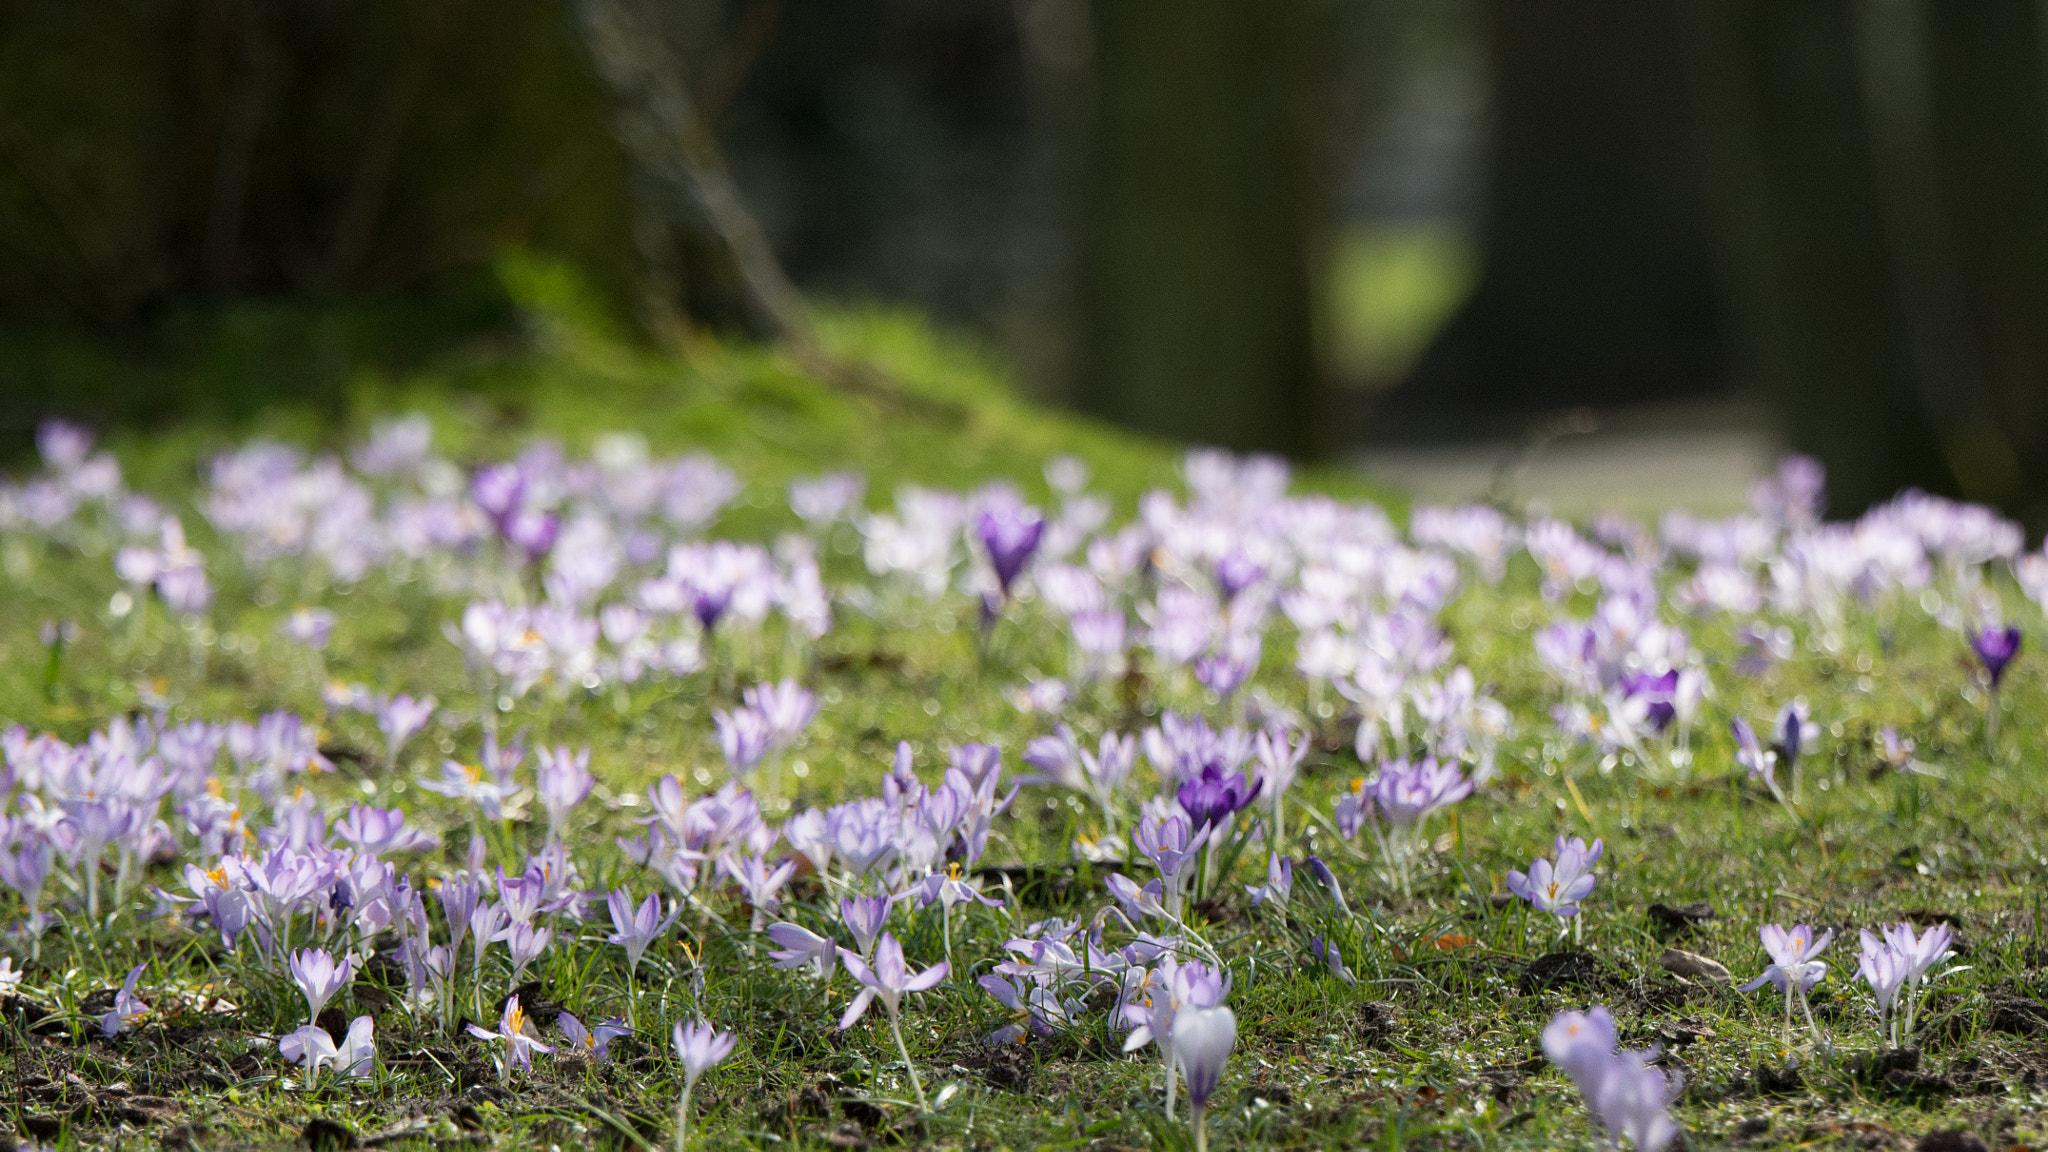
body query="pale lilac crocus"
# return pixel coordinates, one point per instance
(1403, 795)
(701, 1048)
(1171, 990)
(1279, 883)
(515, 1031)
(563, 781)
(1919, 955)
(799, 947)
(1794, 967)
(1633, 1100)
(595, 1044)
(400, 718)
(758, 881)
(889, 979)
(1880, 965)
(1202, 1040)
(309, 627)
(526, 942)
(1558, 887)
(636, 929)
(1580, 1043)
(744, 736)
(864, 916)
(127, 1009)
(319, 977)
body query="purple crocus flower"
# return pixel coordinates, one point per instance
(1794, 967)
(799, 947)
(1202, 1040)
(594, 1043)
(889, 979)
(563, 781)
(637, 927)
(1659, 693)
(1795, 732)
(1011, 535)
(382, 832)
(864, 916)
(1213, 797)
(701, 1048)
(1632, 1100)
(310, 627)
(515, 1031)
(1237, 571)
(400, 718)
(127, 1009)
(1996, 648)
(1580, 1044)
(745, 736)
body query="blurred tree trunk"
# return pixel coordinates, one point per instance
(690, 215)
(1597, 284)
(1987, 93)
(1807, 255)
(1201, 214)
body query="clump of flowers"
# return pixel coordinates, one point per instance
(1398, 802)
(1897, 965)
(1628, 1097)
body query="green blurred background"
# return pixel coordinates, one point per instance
(1318, 227)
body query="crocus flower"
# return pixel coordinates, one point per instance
(1751, 756)
(358, 1050)
(319, 977)
(701, 1048)
(1011, 535)
(310, 627)
(1279, 882)
(594, 1043)
(637, 928)
(889, 979)
(1174, 990)
(563, 781)
(400, 718)
(1880, 965)
(744, 735)
(1633, 1100)
(127, 1007)
(515, 1031)
(1202, 1040)
(1995, 648)
(1793, 968)
(1795, 732)
(1558, 887)
(864, 917)
(1580, 1043)
(799, 947)
(1332, 958)
(308, 1047)
(382, 832)
(1213, 797)
(526, 942)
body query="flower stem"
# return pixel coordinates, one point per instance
(1201, 1129)
(683, 1119)
(915, 1085)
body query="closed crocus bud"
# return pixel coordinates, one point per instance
(1202, 1040)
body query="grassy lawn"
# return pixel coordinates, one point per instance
(1435, 1045)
